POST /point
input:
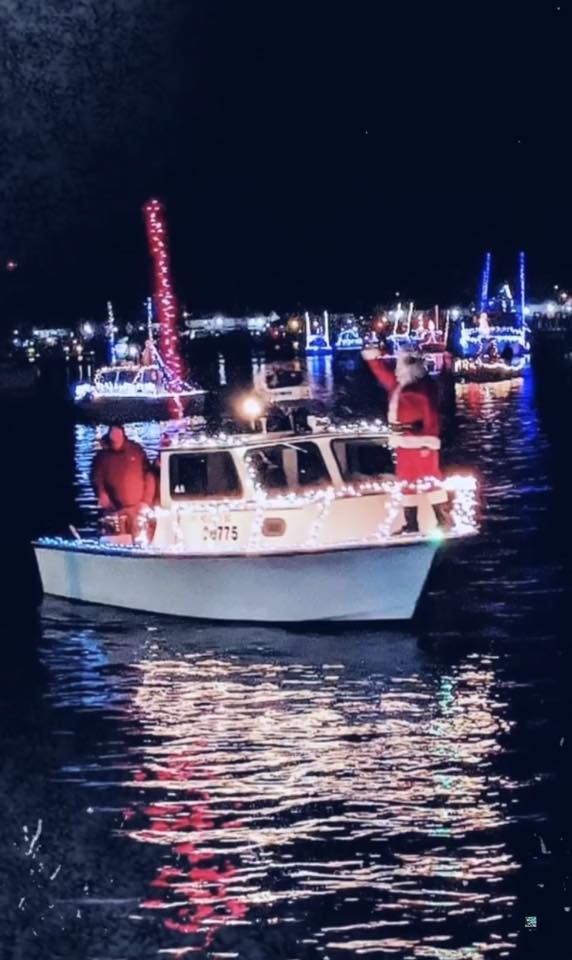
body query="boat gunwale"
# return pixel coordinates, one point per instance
(144, 553)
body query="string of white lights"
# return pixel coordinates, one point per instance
(461, 488)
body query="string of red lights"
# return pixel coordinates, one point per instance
(163, 292)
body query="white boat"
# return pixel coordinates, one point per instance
(282, 384)
(270, 528)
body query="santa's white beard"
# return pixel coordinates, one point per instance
(407, 373)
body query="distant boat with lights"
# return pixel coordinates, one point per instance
(494, 345)
(349, 340)
(318, 337)
(134, 390)
(284, 384)
(270, 527)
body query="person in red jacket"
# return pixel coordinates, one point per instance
(122, 477)
(413, 417)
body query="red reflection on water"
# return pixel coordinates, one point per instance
(201, 877)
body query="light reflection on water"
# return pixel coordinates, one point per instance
(350, 801)
(239, 792)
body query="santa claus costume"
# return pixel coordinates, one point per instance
(413, 415)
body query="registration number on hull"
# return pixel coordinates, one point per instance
(220, 533)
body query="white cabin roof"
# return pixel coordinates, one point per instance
(175, 441)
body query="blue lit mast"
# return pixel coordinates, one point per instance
(485, 281)
(522, 287)
(149, 305)
(110, 333)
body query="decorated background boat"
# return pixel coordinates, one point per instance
(284, 384)
(490, 354)
(495, 345)
(349, 340)
(270, 527)
(318, 341)
(136, 389)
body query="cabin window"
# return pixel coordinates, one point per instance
(203, 475)
(361, 459)
(286, 466)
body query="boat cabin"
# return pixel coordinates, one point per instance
(129, 378)
(284, 492)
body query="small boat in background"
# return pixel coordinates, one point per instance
(135, 389)
(282, 384)
(318, 341)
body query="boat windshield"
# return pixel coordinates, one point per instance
(125, 377)
(362, 459)
(107, 378)
(288, 466)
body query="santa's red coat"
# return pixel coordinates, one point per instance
(414, 407)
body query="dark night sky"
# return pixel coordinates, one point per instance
(317, 152)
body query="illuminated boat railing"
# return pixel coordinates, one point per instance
(511, 334)
(318, 346)
(467, 364)
(133, 381)
(462, 489)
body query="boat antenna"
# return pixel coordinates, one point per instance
(110, 332)
(326, 328)
(522, 286)
(149, 305)
(409, 317)
(485, 281)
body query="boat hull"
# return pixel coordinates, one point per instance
(370, 583)
(102, 408)
(489, 376)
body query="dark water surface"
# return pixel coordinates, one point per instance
(173, 789)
